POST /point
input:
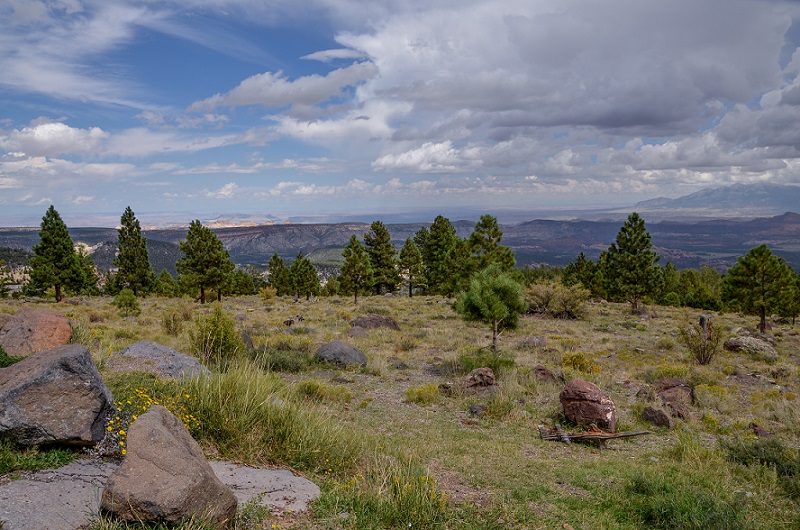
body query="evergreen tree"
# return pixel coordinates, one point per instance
(672, 280)
(356, 272)
(382, 259)
(629, 264)
(585, 272)
(242, 283)
(439, 244)
(206, 264)
(460, 266)
(493, 298)
(758, 283)
(54, 262)
(279, 275)
(484, 244)
(165, 285)
(304, 277)
(791, 307)
(86, 282)
(133, 268)
(411, 265)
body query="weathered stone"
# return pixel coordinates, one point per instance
(755, 347)
(585, 404)
(165, 477)
(151, 357)
(542, 373)
(760, 431)
(657, 417)
(479, 377)
(677, 395)
(356, 331)
(341, 354)
(31, 330)
(533, 342)
(55, 396)
(375, 321)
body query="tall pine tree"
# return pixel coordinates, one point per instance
(133, 267)
(279, 275)
(629, 265)
(54, 262)
(484, 244)
(356, 272)
(440, 243)
(304, 277)
(411, 266)
(206, 264)
(382, 258)
(760, 282)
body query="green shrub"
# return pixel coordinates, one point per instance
(664, 371)
(215, 339)
(558, 300)
(665, 344)
(171, 322)
(672, 299)
(582, 362)
(8, 360)
(772, 454)
(126, 303)
(703, 343)
(425, 394)
(282, 360)
(318, 391)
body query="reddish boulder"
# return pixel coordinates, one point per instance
(677, 395)
(31, 330)
(585, 404)
(479, 377)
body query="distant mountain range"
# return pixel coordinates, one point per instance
(683, 231)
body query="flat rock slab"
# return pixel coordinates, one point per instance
(279, 489)
(66, 498)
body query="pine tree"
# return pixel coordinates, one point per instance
(304, 277)
(382, 258)
(133, 268)
(484, 244)
(279, 275)
(206, 264)
(439, 244)
(165, 285)
(493, 297)
(629, 264)
(54, 263)
(758, 283)
(356, 272)
(411, 265)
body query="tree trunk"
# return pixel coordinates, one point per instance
(355, 294)
(219, 295)
(202, 295)
(58, 292)
(496, 324)
(762, 324)
(410, 290)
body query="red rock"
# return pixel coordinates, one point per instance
(32, 330)
(585, 404)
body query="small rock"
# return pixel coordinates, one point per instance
(657, 417)
(151, 357)
(356, 332)
(542, 373)
(477, 410)
(479, 377)
(755, 347)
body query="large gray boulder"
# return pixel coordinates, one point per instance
(55, 396)
(753, 346)
(341, 354)
(586, 405)
(165, 477)
(146, 356)
(31, 330)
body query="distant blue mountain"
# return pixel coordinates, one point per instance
(748, 199)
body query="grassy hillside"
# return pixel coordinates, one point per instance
(390, 451)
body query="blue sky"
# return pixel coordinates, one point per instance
(326, 109)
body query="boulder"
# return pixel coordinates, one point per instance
(31, 330)
(657, 417)
(374, 321)
(544, 374)
(341, 354)
(356, 331)
(151, 357)
(755, 347)
(677, 395)
(585, 404)
(533, 342)
(55, 396)
(165, 477)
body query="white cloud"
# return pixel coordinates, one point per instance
(326, 56)
(82, 199)
(53, 138)
(225, 192)
(428, 158)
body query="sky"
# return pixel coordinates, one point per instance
(324, 109)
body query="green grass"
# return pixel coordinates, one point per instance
(13, 459)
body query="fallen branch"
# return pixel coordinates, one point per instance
(593, 435)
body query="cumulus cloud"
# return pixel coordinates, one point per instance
(326, 56)
(225, 192)
(53, 138)
(428, 158)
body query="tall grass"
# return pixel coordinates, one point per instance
(254, 417)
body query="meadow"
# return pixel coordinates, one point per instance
(390, 451)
